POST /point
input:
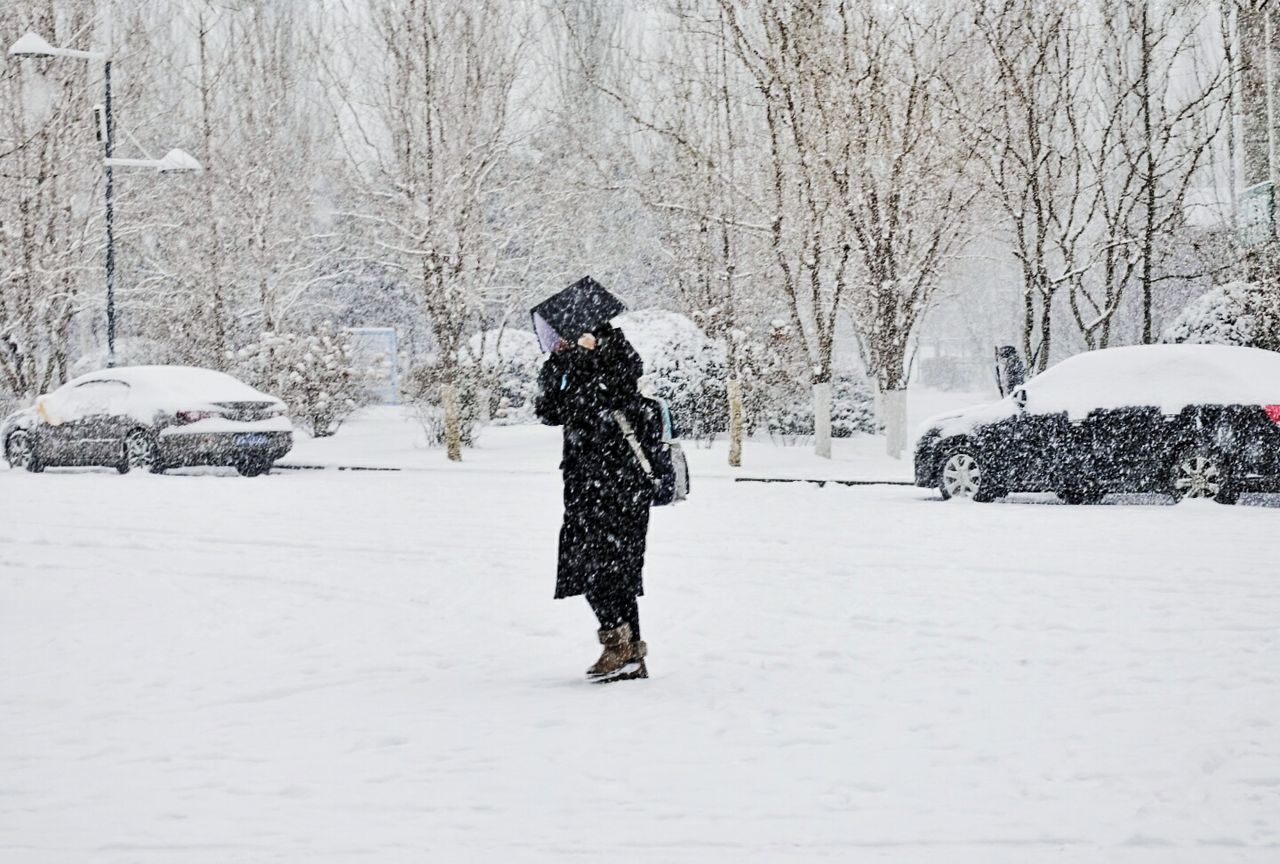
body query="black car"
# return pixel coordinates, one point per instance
(1191, 421)
(151, 417)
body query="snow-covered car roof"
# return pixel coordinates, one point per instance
(179, 381)
(1167, 377)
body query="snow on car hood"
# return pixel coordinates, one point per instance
(964, 422)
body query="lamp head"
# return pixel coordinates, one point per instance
(179, 160)
(32, 45)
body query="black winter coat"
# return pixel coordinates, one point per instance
(606, 493)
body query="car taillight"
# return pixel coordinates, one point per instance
(192, 416)
(1273, 411)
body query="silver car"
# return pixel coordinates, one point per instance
(150, 417)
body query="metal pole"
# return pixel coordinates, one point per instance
(109, 146)
(111, 240)
(1271, 112)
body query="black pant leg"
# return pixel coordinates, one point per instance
(632, 613)
(606, 608)
(614, 609)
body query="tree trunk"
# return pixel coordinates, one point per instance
(452, 421)
(734, 389)
(893, 402)
(822, 419)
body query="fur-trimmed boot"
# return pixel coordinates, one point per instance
(622, 658)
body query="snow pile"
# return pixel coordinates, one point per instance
(1238, 313)
(316, 373)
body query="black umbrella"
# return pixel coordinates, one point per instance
(578, 309)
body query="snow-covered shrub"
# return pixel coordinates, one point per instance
(509, 361)
(1237, 313)
(315, 373)
(778, 391)
(423, 392)
(853, 409)
(682, 366)
(497, 380)
(783, 407)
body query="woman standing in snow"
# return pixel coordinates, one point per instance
(606, 493)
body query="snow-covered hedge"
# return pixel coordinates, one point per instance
(1237, 313)
(783, 407)
(423, 393)
(508, 361)
(315, 373)
(682, 366)
(497, 381)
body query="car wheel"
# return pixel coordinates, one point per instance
(253, 467)
(962, 476)
(20, 452)
(1202, 472)
(139, 451)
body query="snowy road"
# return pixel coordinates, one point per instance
(369, 668)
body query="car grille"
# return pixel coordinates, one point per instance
(247, 412)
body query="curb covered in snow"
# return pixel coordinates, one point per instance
(821, 483)
(331, 468)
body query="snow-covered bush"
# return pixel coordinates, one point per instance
(853, 409)
(1237, 313)
(682, 366)
(783, 407)
(509, 361)
(497, 380)
(424, 392)
(779, 392)
(315, 373)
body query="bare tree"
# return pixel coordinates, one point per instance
(426, 136)
(1032, 137)
(1156, 118)
(686, 98)
(870, 188)
(49, 228)
(902, 178)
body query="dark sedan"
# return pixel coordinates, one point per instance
(150, 417)
(1191, 421)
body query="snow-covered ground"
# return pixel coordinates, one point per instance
(369, 667)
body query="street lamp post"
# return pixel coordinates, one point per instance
(32, 45)
(108, 148)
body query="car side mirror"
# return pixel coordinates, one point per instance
(1020, 398)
